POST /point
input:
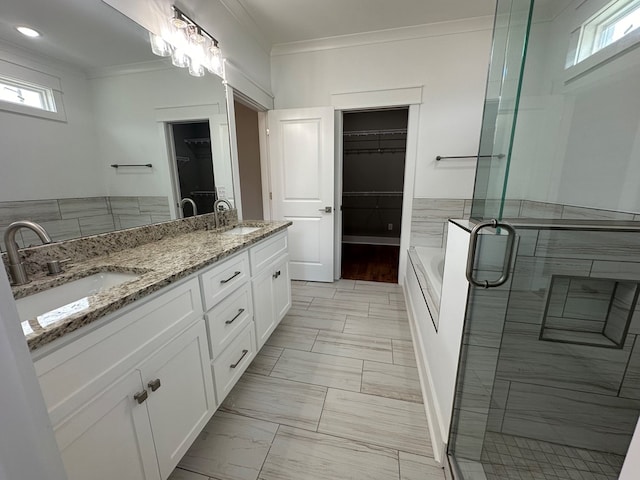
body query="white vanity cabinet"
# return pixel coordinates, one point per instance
(127, 399)
(226, 288)
(180, 395)
(110, 437)
(271, 285)
(128, 395)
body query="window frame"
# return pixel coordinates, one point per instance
(582, 56)
(33, 79)
(592, 30)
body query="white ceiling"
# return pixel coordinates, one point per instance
(285, 21)
(92, 35)
(83, 33)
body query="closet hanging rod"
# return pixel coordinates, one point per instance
(118, 165)
(374, 150)
(388, 131)
(438, 158)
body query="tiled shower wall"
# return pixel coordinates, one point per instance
(80, 217)
(514, 383)
(430, 216)
(579, 395)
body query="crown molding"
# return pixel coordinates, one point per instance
(385, 36)
(35, 60)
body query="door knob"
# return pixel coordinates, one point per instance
(326, 209)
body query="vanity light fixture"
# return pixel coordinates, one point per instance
(28, 32)
(188, 44)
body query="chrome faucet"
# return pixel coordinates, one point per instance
(16, 267)
(193, 206)
(217, 208)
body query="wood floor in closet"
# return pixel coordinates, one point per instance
(374, 263)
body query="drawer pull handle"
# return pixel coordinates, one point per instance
(234, 365)
(277, 274)
(154, 384)
(141, 397)
(240, 312)
(231, 277)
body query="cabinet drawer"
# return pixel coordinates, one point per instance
(228, 318)
(233, 361)
(264, 253)
(222, 279)
(70, 376)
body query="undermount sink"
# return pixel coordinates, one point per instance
(241, 230)
(58, 302)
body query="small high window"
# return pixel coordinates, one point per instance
(27, 94)
(26, 90)
(615, 21)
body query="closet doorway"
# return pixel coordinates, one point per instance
(193, 165)
(373, 166)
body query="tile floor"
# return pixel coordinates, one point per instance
(515, 458)
(334, 394)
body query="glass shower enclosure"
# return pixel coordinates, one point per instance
(549, 379)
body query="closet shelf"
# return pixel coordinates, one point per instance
(197, 141)
(364, 133)
(372, 194)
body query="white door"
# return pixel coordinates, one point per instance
(301, 157)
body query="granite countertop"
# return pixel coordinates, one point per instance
(158, 264)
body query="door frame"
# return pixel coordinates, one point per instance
(188, 114)
(233, 96)
(410, 97)
(378, 100)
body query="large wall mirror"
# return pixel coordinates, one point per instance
(117, 104)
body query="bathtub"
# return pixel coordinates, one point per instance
(428, 265)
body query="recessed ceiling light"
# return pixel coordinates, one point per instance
(28, 32)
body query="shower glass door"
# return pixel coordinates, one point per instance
(549, 380)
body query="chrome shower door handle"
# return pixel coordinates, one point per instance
(508, 254)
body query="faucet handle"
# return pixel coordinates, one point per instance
(55, 266)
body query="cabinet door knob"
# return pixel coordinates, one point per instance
(141, 397)
(234, 365)
(240, 312)
(154, 384)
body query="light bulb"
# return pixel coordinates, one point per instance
(214, 60)
(179, 58)
(196, 69)
(28, 32)
(177, 21)
(159, 46)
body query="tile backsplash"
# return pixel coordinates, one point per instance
(68, 218)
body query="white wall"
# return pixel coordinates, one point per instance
(43, 158)
(127, 107)
(449, 59)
